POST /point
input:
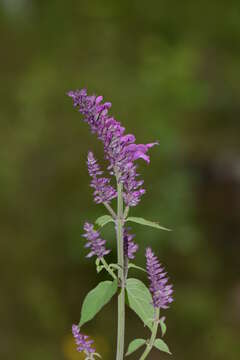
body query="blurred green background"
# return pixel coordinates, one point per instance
(172, 72)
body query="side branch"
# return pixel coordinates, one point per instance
(153, 336)
(110, 209)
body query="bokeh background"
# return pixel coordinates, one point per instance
(172, 71)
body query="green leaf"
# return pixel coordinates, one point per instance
(140, 301)
(163, 326)
(131, 265)
(103, 220)
(145, 222)
(96, 299)
(162, 346)
(134, 345)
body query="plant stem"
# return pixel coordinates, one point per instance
(121, 296)
(110, 209)
(153, 336)
(126, 211)
(125, 268)
(107, 267)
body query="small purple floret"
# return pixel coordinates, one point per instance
(83, 344)
(95, 243)
(103, 191)
(160, 290)
(130, 248)
(119, 148)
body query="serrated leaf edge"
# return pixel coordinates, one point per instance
(148, 322)
(107, 281)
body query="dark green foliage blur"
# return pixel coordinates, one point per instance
(172, 72)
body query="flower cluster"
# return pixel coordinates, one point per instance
(103, 191)
(120, 149)
(83, 344)
(161, 292)
(95, 243)
(129, 246)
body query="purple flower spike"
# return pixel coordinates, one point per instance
(93, 167)
(161, 292)
(119, 148)
(103, 191)
(95, 243)
(83, 344)
(130, 248)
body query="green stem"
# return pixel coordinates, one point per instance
(126, 211)
(107, 267)
(110, 209)
(125, 268)
(153, 336)
(121, 296)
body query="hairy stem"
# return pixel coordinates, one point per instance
(107, 267)
(153, 336)
(121, 296)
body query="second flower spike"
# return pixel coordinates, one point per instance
(95, 243)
